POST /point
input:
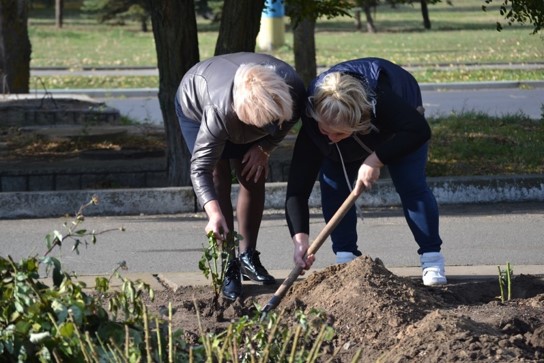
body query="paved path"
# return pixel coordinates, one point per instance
(493, 98)
(477, 238)
(499, 101)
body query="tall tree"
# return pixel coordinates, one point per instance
(59, 13)
(15, 47)
(240, 23)
(425, 14)
(176, 43)
(304, 49)
(303, 15)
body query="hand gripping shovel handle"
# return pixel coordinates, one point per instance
(314, 247)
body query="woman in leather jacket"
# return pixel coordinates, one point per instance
(361, 115)
(233, 111)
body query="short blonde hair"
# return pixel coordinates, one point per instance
(342, 103)
(261, 96)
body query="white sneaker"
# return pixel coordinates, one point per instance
(344, 257)
(432, 264)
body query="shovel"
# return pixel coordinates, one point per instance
(314, 247)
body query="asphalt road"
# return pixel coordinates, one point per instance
(474, 235)
(492, 98)
(437, 102)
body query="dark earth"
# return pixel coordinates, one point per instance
(391, 318)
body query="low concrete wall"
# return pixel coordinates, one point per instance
(459, 190)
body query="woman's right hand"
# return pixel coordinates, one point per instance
(216, 221)
(301, 243)
(368, 173)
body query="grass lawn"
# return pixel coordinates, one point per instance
(461, 34)
(477, 144)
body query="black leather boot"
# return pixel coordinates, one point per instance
(251, 267)
(232, 284)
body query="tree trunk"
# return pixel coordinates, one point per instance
(59, 13)
(143, 23)
(370, 27)
(176, 43)
(425, 14)
(15, 48)
(357, 18)
(240, 24)
(304, 49)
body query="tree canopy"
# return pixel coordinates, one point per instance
(520, 11)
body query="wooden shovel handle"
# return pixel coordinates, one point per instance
(314, 247)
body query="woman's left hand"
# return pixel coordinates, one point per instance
(255, 164)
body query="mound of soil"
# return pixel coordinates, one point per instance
(392, 318)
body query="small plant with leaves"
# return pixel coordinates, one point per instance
(505, 280)
(64, 322)
(277, 338)
(216, 257)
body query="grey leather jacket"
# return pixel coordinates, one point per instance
(205, 96)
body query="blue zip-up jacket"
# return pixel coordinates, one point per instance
(401, 129)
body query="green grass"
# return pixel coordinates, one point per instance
(477, 144)
(460, 34)
(92, 82)
(426, 76)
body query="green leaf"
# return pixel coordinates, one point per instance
(128, 289)
(19, 307)
(14, 316)
(67, 330)
(58, 236)
(60, 310)
(44, 354)
(48, 240)
(58, 276)
(76, 313)
(22, 327)
(101, 284)
(75, 247)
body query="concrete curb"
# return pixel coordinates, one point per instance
(156, 201)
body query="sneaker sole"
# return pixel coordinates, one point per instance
(435, 283)
(247, 278)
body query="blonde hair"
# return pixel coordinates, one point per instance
(342, 103)
(261, 96)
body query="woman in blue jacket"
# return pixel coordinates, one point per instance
(361, 115)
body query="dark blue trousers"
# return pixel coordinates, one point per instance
(418, 202)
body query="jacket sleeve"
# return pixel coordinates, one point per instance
(209, 146)
(305, 165)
